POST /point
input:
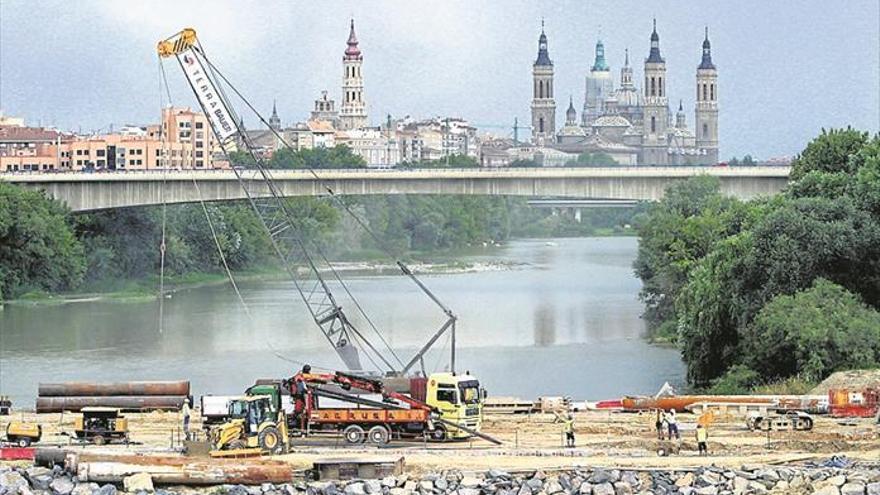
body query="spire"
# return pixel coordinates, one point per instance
(626, 57)
(274, 121)
(543, 55)
(352, 50)
(706, 63)
(600, 64)
(680, 119)
(654, 56)
(571, 113)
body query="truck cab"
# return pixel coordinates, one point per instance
(459, 398)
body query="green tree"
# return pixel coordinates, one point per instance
(675, 234)
(709, 312)
(38, 249)
(339, 156)
(724, 278)
(813, 333)
(830, 152)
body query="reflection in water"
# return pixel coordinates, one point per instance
(545, 326)
(573, 310)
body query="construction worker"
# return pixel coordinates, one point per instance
(185, 411)
(299, 395)
(567, 421)
(702, 435)
(672, 425)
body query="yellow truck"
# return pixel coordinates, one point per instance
(459, 399)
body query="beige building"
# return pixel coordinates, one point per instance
(183, 140)
(379, 149)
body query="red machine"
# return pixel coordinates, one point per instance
(844, 403)
(396, 413)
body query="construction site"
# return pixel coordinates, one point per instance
(385, 424)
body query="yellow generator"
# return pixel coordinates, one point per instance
(255, 428)
(100, 425)
(23, 434)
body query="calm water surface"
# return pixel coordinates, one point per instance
(566, 322)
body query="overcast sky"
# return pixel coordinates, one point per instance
(786, 69)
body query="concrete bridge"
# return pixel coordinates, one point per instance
(97, 191)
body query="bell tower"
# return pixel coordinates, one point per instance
(353, 112)
(706, 111)
(543, 104)
(656, 110)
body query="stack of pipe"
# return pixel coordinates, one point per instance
(127, 396)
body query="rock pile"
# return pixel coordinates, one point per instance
(760, 480)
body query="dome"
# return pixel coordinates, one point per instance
(681, 132)
(633, 131)
(611, 121)
(572, 130)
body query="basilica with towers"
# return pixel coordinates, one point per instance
(632, 125)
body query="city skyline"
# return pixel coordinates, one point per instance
(792, 96)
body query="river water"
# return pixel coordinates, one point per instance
(561, 319)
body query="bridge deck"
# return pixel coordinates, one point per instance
(95, 191)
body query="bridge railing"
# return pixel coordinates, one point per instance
(378, 170)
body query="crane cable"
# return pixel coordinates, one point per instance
(363, 225)
(379, 241)
(244, 304)
(162, 245)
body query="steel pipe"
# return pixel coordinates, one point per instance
(123, 402)
(92, 389)
(179, 470)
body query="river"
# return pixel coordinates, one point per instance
(562, 319)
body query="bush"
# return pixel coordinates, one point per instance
(38, 250)
(813, 333)
(738, 380)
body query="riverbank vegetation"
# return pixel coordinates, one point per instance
(775, 289)
(45, 250)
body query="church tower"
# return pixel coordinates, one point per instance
(353, 113)
(543, 105)
(706, 122)
(274, 120)
(599, 86)
(656, 109)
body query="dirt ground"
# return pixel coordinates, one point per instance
(534, 441)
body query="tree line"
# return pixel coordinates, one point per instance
(766, 290)
(45, 248)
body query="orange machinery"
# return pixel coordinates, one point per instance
(395, 415)
(845, 403)
(681, 402)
